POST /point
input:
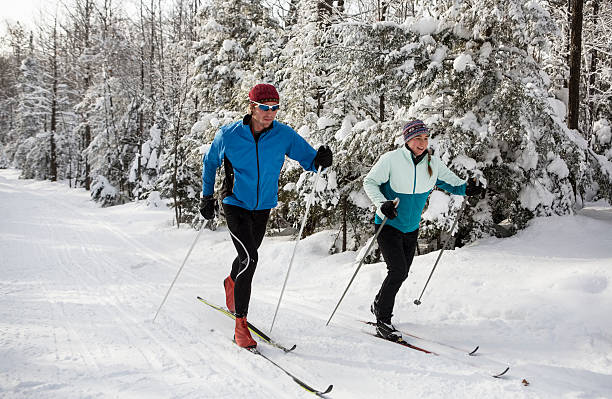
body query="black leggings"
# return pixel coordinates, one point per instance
(397, 249)
(249, 227)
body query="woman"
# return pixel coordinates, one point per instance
(253, 151)
(409, 173)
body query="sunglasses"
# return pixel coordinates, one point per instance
(265, 107)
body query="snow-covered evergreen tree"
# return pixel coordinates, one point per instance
(236, 39)
(34, 98)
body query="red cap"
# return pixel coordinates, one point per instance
(264, 92)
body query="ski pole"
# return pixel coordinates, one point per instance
(310, 198)
(361, 262)
(459, 214)
(181, 268)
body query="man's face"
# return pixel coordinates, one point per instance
(418, 144)
(261, 117)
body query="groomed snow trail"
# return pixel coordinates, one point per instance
(79, 286)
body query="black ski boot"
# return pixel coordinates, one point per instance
(384, 328)
(374, 308)
(387, 331)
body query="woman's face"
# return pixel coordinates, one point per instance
(418, 144)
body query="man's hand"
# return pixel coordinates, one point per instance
(207, 207)
(323, 158)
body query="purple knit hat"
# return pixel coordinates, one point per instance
(413, 129)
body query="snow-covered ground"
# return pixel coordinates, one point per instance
(79, 286)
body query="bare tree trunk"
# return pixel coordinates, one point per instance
(575, 53)
(593, 67)
(383, 7)
(344, 221)
(87, 83)
(152, 62)
(53, 127)
(292, 13)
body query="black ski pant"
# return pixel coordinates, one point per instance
(247, 229)
(397, 249)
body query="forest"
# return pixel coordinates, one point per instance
(123, 100)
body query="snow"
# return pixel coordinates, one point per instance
(212, 25)
(363, 125)
(602, 131)
(199, 127)
(529, 157)
(485, 51)
(304, 131)
(324, 123)
(558, 167)
(425, 26)
(535, 194)
(345, 130)
(104, 187)
(155, 133)
(438, 205)
(228, 45)
(80, 285)
(152, 162)
(462, 61)
(439, 55)
(154, 200)
(559, 108)
(360, 199)
(464, 162)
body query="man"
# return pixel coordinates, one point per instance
(409, 173)
(253, 151)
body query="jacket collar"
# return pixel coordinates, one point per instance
(246, 120)
(415, 159)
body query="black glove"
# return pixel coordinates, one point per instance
(323, 158)
(473, 188)
(388, 209)
(207, 207)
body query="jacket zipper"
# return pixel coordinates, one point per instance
(257, 156)
(415, 174)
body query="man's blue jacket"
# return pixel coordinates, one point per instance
(254, 165)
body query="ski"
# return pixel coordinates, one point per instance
(469, 353)
(293, 377)
(403, 342)
(502, 373)
(406, 344)
(253, 329)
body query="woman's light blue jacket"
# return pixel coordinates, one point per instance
(395, 175)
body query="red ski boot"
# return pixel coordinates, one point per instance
(242, 335)
(228, 284)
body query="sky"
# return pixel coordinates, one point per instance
(24, 11)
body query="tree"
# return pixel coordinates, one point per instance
(575, 61)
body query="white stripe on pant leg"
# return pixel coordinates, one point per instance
(245, 250)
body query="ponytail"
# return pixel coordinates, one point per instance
(429, 163)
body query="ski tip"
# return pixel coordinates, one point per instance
(502, 373)
(289, 349)
(328, 390)
(473, 353)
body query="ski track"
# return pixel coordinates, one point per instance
(82, 287)
(94, 277)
